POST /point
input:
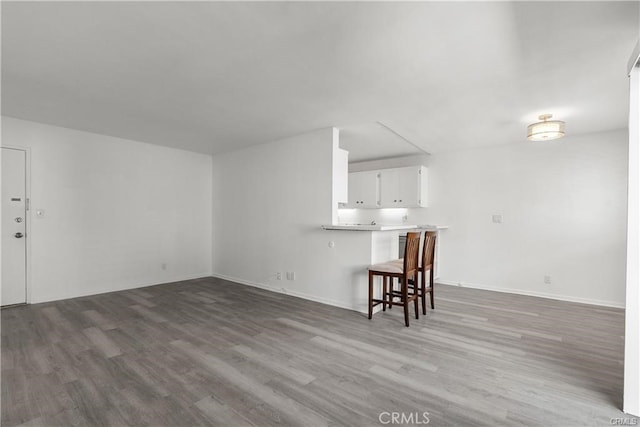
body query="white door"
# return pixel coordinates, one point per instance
(14, 227)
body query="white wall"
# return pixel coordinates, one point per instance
(269, 204)
(115, 210)
(564, 209)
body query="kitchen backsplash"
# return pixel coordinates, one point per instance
(383, 216)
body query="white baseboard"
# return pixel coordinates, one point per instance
(532, 294)
(302, 295)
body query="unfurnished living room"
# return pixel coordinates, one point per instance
(320, 213)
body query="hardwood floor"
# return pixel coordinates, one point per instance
(209, 352)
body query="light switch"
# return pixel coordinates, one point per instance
(497, 218)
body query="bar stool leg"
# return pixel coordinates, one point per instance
(423, 276)
(432, 287)
(384, 293)
(405, 298)
(416, 295)
(370, 295)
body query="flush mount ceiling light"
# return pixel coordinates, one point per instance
(546, 130)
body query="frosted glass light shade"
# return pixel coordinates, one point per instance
(546, 130)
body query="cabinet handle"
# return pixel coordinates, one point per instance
(395, 200)
(400, 201)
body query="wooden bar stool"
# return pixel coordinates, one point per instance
(426, 265)
(405, 271)
(428, 254)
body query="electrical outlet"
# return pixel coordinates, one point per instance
(496, 218)
(547, 280)
(293, 275)
(279, 275)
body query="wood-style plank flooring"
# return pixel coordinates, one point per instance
(210, 352)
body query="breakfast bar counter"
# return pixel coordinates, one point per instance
(369, 244)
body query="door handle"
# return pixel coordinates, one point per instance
(18, 235)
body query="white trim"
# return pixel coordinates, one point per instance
(532, 294)
(129, 287)
(288, 292)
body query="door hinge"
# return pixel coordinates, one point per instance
(27, 204)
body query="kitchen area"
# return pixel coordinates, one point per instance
(383, 198)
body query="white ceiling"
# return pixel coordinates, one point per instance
(213, 77)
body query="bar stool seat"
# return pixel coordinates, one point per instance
(388, 267)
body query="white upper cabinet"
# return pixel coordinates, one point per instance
(364, 189)
(389, 188)
(403, 187)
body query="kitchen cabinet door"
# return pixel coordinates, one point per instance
(403, 187)
(364, 190)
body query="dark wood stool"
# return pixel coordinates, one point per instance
(427, 264)
(405, 271)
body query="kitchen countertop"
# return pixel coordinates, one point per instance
(368, 227)
(383, 227)
(432, 227)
